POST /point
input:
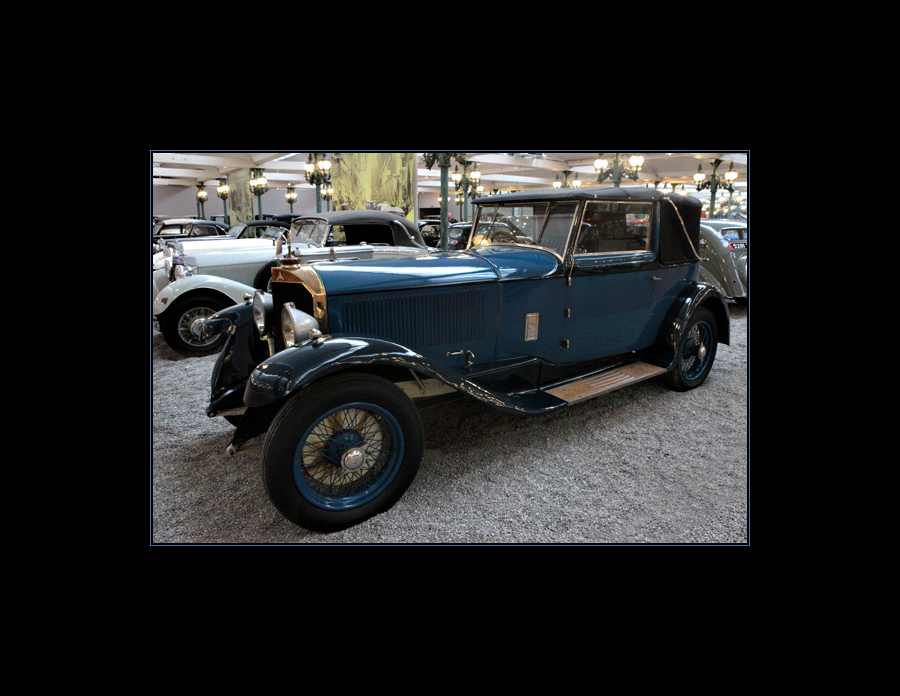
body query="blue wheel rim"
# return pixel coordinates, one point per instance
(348, 456)
(697, 350)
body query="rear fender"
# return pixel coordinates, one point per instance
(691, 299)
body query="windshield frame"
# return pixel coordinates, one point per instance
(317, 228)
(549, 202)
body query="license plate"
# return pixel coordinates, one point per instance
(739, 245)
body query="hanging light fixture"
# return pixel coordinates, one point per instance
(201, 199)
(699, 176)
(222, 191)
(731, 176)
(618, 171)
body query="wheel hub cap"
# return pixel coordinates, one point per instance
(353, 459)
(197, 326)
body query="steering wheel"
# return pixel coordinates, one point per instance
(503, 236)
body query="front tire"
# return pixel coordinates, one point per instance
(341, 451)
(180, 325)
(696, 353)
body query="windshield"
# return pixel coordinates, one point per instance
(544, 224)
(236, 230)
(310, 231)
(274, 233)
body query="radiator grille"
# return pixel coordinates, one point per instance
(430, 318)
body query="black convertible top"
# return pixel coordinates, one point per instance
(401, 228)
(677, 214)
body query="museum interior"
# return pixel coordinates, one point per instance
(574, 371)
(235, 186)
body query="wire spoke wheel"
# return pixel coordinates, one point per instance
(342, 450)
(182, 323)
(348, 456)
(190, 323)
(696, 353)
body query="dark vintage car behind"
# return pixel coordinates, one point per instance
(331, 364)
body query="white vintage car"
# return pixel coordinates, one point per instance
(250, 235)
(190, 287)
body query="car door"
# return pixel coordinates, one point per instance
(613, 279)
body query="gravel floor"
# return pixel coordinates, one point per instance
(642, 465)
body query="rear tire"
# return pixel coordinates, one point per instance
(696, 352)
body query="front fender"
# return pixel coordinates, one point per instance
(242, 352)
(291, 369)
(170, 294)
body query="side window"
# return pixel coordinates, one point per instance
(339, 235)
(615, 227)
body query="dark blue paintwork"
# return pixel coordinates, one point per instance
(374, 275)
(461, 317)
(295, 367)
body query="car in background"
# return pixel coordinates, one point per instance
(457, 234)
(541, 311)
(183, 228)
(725, 253)
(191, 287)
(431, 232)
(245, 235)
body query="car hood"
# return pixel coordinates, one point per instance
(229, 258)
(224, 244)
(487, 264)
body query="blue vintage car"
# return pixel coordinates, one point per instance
(332, 364)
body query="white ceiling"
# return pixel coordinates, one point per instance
(503, 171)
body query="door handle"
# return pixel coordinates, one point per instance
(470, 356)
(657, 280)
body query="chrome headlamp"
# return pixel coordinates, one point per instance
(263, 312)
(181, 268)
(296, 326)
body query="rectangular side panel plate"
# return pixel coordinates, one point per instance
(531, 327)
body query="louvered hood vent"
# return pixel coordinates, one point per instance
(423, 319)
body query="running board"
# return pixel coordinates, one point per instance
(598, 384)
